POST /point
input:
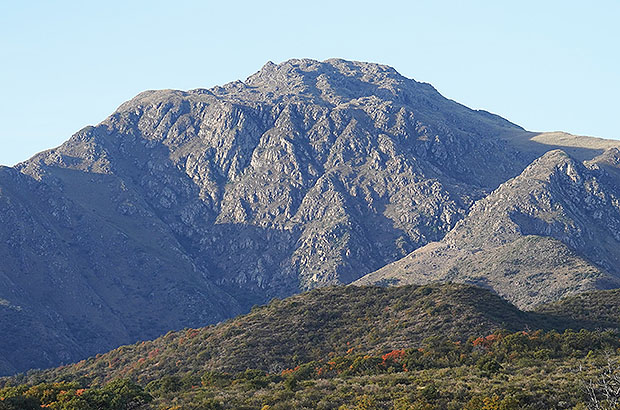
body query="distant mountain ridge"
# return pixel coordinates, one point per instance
(185, 208)
(550, 232)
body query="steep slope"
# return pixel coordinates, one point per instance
(552, 231)
(73, 283)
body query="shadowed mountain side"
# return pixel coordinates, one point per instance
(600, 307)
(76, 282)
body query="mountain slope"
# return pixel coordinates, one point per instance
(552, 231)
(333, 321)
(184, 208)
(74, 283)
(311, 325)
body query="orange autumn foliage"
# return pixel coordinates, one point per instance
(286, 372)
(486, 341)
(394, 356)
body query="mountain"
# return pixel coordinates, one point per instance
(184, 208)
(552, 231)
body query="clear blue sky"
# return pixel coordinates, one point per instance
(546, 65)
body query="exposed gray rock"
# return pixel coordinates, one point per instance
(550, 232)
(307, 174)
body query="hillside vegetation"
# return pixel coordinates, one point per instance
(353, 347)
(598, 308)
(311, 326)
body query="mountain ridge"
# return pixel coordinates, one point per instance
(554, 199)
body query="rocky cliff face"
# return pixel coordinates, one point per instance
(307, 174)
(552, 231)
(183, 208)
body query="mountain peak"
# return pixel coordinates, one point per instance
(552, 159)
(334, 81)
(330, 82)
(552, 163)
(609, 158)
(308, 173)
(330, 66)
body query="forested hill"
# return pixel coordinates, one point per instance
(597, 308)
(326, 322)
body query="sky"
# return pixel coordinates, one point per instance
(545, 65)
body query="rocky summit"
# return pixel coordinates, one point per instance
(184, 208)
